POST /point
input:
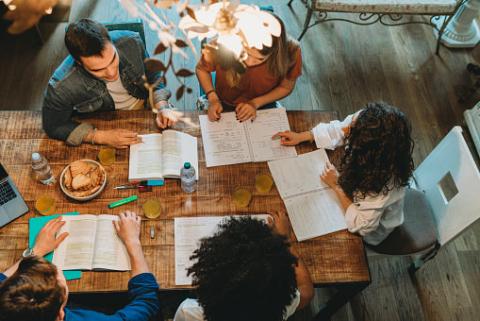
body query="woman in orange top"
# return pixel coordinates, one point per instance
(268, 75)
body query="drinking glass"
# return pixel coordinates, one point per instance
(45, 205)
(263, 183)
(152, 208)
(241, 197)
(106, 156)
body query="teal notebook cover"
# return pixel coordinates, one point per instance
(35, 225)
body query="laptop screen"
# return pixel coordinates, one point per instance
(3, 173)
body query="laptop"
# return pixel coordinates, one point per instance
(12, 204)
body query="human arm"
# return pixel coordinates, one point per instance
(128, 230)
(204, 68)
(46, 241)
(118, 138)
(281, 225)
(330, 177)
(331, 135)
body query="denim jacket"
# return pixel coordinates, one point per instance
(73, 91)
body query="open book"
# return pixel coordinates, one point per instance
(92, 243)
(162, 155)
(188, 233)
(229, 141)
(313, 208)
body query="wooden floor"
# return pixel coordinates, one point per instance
(345, 66)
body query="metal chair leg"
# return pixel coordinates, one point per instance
(290, 3)
(307, 23)
(419, 262)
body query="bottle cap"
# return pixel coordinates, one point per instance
(36, 157)
(187, 165)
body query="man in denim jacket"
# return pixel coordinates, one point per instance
(104, 72)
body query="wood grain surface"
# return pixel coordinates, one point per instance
(332, 259)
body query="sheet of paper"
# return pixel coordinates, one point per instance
(76, 252)
(188, 233)
(145, 158)
(315, 214)
(178, 148)
(260, 132)
(110, 252)
(224, 141)
(299, 175)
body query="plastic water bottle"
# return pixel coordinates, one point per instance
(187, 178)
(42, 169)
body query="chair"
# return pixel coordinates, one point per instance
(135, 25)
(387, 12)
(442, 204)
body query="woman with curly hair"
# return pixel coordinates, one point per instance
(247, 271)
(374, 170)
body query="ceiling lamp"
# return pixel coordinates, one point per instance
(234, 25)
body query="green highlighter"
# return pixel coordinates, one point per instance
(123, 201)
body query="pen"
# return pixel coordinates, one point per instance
(276, 137)
(123, 201)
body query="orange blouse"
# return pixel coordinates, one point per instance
(256, 81)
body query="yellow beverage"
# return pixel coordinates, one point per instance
(241, 197)
(45, 205)
(106, 156)
(152, 208)
(263, 183)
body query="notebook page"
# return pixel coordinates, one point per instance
(224, 141)
(145, 158)
(188, 233)
(76, 251)
(260, 132)
(299, 175)
(178, 148)
(315, 214)
(110, 252)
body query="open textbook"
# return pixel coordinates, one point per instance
(229, 141)
(188, 233)
(92, 243)
(162, 155)
(313, 208)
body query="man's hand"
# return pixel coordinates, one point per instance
(246, 111)
(167, 118)
(47, 240)
(289, 138)
(118, 138)
(128, 228)
(279, 223)
(214, 110)
(330, 175)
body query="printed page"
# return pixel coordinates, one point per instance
(178, 148)
(299, 175)
(146, 158)
(110, 252)
(224, 141)
(315, 214)
(188, 233)
(76, 251)
(260, 132)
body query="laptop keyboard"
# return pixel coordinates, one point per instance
(6, 192)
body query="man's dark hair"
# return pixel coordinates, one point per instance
(32, 293)
(378, 153)
(244, 272)
(86, 38)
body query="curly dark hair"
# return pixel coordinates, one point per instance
(244, 272)
(378, 153)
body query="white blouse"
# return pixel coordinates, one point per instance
(373, 217)
(191, 310)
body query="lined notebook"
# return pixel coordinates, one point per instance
(229, 141)
(312, 206)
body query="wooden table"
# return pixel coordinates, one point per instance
(337, 259)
